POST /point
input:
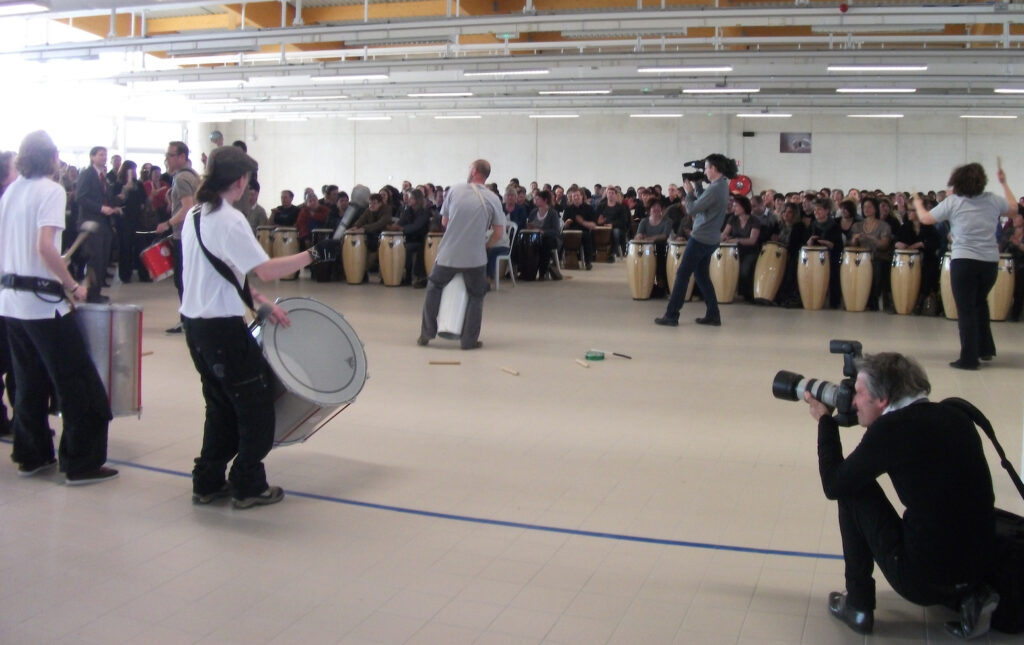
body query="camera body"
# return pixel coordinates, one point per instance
(790, 386)
(698, 164)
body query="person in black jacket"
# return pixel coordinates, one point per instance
(937, 552)
(414, 223)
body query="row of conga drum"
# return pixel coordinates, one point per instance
(1000, 297)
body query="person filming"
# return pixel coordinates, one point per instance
(938, 551)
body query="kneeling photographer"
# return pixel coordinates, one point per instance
(937, 553)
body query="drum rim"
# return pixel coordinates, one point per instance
(288, 380)
(107, 307)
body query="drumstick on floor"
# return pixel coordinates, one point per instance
(509, 370)
(582, 363)
(446, 362)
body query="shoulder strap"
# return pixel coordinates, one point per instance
(975, 415)
(222, 267)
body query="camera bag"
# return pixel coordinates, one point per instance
(1006, 573)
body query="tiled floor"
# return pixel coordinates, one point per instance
(663, 499)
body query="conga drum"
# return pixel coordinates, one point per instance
(286, 242)
(855, 276)
(812, 274)
(946, 288)
(528, 254)
(572, 244)
(1001, 296)
(603, 244)
(640, 269)
(676, 248)
(905, 278)
(392, 257)
(430, 249)
(725, 272)
(353, 257)
(265, 235)
(769, 271)
(322, 271)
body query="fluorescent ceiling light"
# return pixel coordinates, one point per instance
(685, 70)
(331, 97)
(349, 79)
(764, 115)
(1009, 90)
(875, 116)
(877, 68)
(723, 90)
(19, 8)
(453, 117)
(572, 92)
(276, 81)
(287, 118)
(875, 90)
(554, 116)
(877, 28)
(209, 85)
(369, 118)
(225, 100)
(988, 116)
(423, 95)
(511, 72)
(655, 116)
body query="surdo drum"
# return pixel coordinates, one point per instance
(855, 275)
(318, 367)
(812, 274)
(725, 272)
(451, 315)
(113, 338)
(905, 278)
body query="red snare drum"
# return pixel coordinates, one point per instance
(157, 260)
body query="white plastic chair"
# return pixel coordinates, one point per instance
(498, 272)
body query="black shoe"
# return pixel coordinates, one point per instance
(420, 284)
(975, 614)
(665, 321)
(960, 365)
(713, 322)
(987, 357)
(861, 622)
(101, 474)
(208, 498)
(177, 329)
(476, 345)
(422, 341)
(25, 470)
(590, 266)
(272, 495)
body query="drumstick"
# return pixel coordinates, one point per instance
(446, 362)
(145, 354)
(582, 363)
(999, 162)
(83, 232)
(509, 370)
(614, 353)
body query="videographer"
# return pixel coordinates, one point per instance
(708, 207)
(937, 552)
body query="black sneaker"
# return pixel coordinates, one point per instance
(477, 345)
(961, 365)
(24, 470)
(101, 474)
(665, 321)
(713, 322)
(174, 330)
(272, 495)
(221, 493)
(422, 341)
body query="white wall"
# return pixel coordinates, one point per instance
(891, 154)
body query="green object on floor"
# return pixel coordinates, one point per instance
(594, 355)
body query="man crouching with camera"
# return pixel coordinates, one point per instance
(937, 553)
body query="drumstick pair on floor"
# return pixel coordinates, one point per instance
(507, 370)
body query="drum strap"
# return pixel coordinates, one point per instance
(222, 267)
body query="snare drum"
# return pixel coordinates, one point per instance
(725, 272)
(265, 236)
(318, 367)
(640, 269)
(603, 244)
(353, 257)
(946, 288)
(1000, 297)
(855, 277)
(113, 338)
(528, 254)
(286, 242)
(769, 271)
(905, 278)
(430, 249)
(572, 241)
(322, 271)
(451, 315)
(812, 275)
(158, 260)
(391, 253)
(676, 248)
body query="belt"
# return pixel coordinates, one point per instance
(33, 284)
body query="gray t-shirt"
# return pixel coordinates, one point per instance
(185, 184)
(973, 221)
(472, 211)
(709, 211)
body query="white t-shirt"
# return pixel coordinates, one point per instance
(973, 221)
(27, 206)
(226, 234)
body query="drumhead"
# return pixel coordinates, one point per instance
(319, 357)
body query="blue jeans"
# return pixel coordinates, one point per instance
(492, 256)
(695, 262)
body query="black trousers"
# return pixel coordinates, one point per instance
(548, 248)
(127, 255)
(239, 406)
(872, 532)
(971, 281)
(414, 269)
(96, 252)
(176, 258)
(51, 351)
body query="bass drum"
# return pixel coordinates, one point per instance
(318, 366)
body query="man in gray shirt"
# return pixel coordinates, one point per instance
(470, 212)
(708, 206)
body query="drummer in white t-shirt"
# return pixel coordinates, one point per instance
(235, 377)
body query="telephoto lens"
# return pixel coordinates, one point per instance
(790, 386)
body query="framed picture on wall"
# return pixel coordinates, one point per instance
(795, 142)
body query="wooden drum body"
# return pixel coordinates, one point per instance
(812, 275)
(430, 249)
(265, 236)
(640, 264)
(286, 242)
(905, 278)
(1001, 296)
(769, 271)
(676, 248)
(572, 242)
(603, 244)
(392, 257)
(725, 272)
(353, 257)
(855, 277)
(946, 288)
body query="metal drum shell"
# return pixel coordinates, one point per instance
(451, 315)
(113, 338)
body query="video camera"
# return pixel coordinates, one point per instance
(695, 176)
(790, 386)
